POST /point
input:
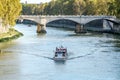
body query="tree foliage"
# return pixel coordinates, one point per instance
(117, 8)
(9, 11)
(74, 7)
(79, 6)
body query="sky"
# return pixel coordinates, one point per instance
(34, 1)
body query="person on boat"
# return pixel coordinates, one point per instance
(63, 54)
(56, 49)
(56, 54)
(62, 46)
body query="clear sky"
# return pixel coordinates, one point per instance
(34, 1)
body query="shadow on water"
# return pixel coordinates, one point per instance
(61, 28)
(3, 44)
(89, 34)
(60, 62)
(96, 34)
(114, 43)
(112, 39)
(41, 34)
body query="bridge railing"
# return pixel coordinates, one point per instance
(67, 16)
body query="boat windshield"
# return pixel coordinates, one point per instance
(59, 52)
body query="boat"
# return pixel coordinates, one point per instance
(60, 54)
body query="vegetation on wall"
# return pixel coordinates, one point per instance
(12, 34)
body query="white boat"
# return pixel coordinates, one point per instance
(60, 54)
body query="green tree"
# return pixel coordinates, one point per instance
(89, 9)
(112, 8)
(117, 8)
(102, 7)
(79, 6)
(28, 9)
(1, 8)
(11, 10)
(74, 7)
(68, 7)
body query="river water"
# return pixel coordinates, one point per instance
(92, 56)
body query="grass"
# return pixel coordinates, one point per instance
(12, 34)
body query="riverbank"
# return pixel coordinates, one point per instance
(12, 34)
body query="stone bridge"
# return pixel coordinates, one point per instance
(80, 20)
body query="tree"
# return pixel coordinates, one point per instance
(112, 8)
(9, 11)
(28, 9)
(117, 8)
(1, 8)
(74, 7)
(102, 7)
(89, 9)
(79, 6)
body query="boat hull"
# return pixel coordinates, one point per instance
(59, 59)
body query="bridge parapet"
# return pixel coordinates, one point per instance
(66, 16)
(76, 18)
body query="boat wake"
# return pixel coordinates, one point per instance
(50, 58)
(39, 55)
(78, 57)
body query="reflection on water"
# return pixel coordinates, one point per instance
(92, 56)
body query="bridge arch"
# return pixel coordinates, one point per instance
(27, 21)
(40, 27)
(93, 21)
(64, 19)
(67, 20)
(67, 23)
(98, 25)
(32, 20)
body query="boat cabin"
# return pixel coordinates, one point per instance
(60, 53)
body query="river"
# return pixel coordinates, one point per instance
(93, 56)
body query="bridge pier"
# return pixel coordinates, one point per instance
(41, 29)
(79, 28)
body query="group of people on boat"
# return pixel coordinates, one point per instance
(60, 53)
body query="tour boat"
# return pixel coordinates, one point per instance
(60, 54)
